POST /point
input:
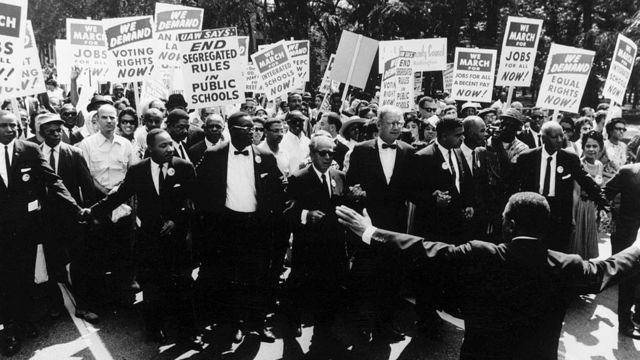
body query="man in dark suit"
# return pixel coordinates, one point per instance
(517, 293)
(67, 243)
(162, 184)
(26, 180)
(319, 259)
(626, 183)
(551, 171)
(240, 191)
(331, 123)
(177, 125)
(213, 127)
(377, 179)
(531, 135)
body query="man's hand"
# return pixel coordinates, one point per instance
(354, 221)
(442, 198)
(314, 216)
(83, 215)
(75, 72)
(356, 193)
(167, 228)
(468, 213)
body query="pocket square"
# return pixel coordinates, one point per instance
(566, 177)
(176, 185)
(262, 176)
(25, 169)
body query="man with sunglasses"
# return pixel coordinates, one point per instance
(69, 115)
(295, 143)
(241, 195)
(427, 107)
(531, 135)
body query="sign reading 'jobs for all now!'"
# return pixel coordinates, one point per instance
(519, 48)
(211, 67)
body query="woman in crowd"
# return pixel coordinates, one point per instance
(615, 148)
(127, 123)
(583, 126)
(258, 130)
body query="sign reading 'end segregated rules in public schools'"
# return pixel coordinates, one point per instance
(473, 73)
(211, 67)
(276, 70)
(519, 49)
(130, 43)
(397, 82)
(624, 58)
(565, 77)
(13, 19)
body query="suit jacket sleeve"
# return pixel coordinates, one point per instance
(112, 201)
(294, 194)
(586, 182)
(354, 172)
(54, 184)
(616, 184)
(85, 180)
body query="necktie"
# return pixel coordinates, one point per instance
(474, 162)
(324, 184)
(243, 152)
(547, 178)
(387, 146)
(7, 162)
(52, 160)
(453, 170)
(182, 155)
(160, 179)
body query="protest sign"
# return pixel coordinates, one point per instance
(431, 54)
(519, 48)
(353, 60)
(447, 78)
(63, 56)
(211, 67)
(624, 57)
(417, 83)
(252, 82)
(243, 49)
(565, 77)
(397, 82)
(299, 50)
(473, 72)
(13, 19)
(32, 77)
(276, 70)
(328, 86)
(86, 41)
(130, 46)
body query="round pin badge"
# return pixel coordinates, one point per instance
(560, 169)
(333, 182)
(171, 172)
(445, 166)
(258, 159)
(26, 177)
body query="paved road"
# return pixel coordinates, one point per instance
(590, 332)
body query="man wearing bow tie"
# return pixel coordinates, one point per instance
(319, 259)
(178, 127)
(241, 193)
(162, 184)
(377, 180)
(25, 179)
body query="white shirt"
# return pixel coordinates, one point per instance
(4, 172)
(543, 172)
(297, 149)
(46, 150)
(155, 171)
(536, 137)
(387, 159)
(108, 160)
(140, 137)
(181, 150)
(282, 159)
(241, 183)
(468, 155)
(450, 165)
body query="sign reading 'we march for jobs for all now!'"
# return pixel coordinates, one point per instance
(211, 67)
(519, 48)
(565, 78)
(622, 62)
(473, 71)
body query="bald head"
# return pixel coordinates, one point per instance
(552, 136)
(475, 131)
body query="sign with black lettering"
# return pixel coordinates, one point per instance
(32, 82)
(13, 19)
(130, 46)
(276, 70)
(624, 57)
(397, 82)
(299, 50)
(565, 77)
(473, 72)
(211, 67)
(88, 47)
(519, 49)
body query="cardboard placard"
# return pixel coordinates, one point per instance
(251, 79)
(519, 49)
(32, 76)
(565, 77)
(13, 20)
(473, 73)
(276, 70)
(431, 54)
(447, 78)
(354, 59)
(88, 46)
(211, 67)
(622, 61)
(299, 50)
(328, 86)
(130, 46)
(397, 82)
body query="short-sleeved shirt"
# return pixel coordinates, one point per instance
(108, 160)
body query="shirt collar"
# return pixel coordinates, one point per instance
(232, 149)
(10, 144)
(465, 149)
(156, 165)
(48, 148)
(443, 149)
(318, 172)
(545, 154)
(380, 142)
(102, 139)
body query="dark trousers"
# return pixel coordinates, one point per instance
(623, 237)
(17, 262)
(111, 247)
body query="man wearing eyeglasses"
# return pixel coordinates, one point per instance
(241, 194)
(178, 127)
(69, 115)
(531, 135)
(213, 127)
(427, 107)
(295, 143)
(377, 178)
(319, 260)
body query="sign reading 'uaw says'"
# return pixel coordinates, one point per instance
(624, 57)
(519, 49)
(565, 77)
(86, 41)
(130, 47)
(211, 67)
(276, 70)
(473, 71)
(32, 77)
(13, 19)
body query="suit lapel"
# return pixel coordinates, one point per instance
(148, 177)
(257, 168)
(536, 169)
(378, 162)
(397, 164)
(18, 148)
(63, 160)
